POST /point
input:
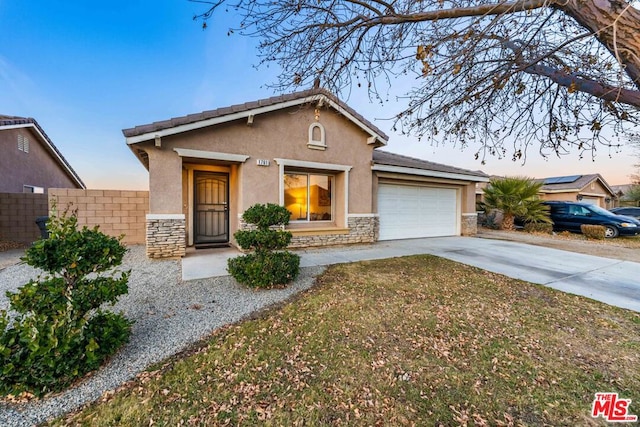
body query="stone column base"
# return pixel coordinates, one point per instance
(166, 235)
(469, 224)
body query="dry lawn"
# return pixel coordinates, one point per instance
(407, 341)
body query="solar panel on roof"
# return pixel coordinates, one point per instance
(561, 179)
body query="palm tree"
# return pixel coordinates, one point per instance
(515, 197)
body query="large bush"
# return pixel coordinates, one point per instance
(56, 330)
(515, 197)
(593, 231)
(538, 227)
(268, 265)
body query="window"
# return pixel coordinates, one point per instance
(308, 196)
(23, 143)
(32, 189)
(579, 210)
(316, 137)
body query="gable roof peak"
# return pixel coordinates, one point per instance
(225, 114)
(9, 122)
(572, 183)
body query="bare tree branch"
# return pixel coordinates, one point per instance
(487, 73)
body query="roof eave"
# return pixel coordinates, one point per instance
(378, 138)
(51, 148)
(428, 173)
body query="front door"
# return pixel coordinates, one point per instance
(211, 213)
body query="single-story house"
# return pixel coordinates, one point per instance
(623, 196)
(590, 188)
(307, 151)
(29, 161)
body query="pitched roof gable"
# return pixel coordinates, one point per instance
(406, 164)
(577, 185)
(221, 115)
(13, 122)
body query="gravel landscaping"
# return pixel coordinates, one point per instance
(169, 316)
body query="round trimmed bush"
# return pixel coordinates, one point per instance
(268, 266)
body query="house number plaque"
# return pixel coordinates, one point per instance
(263, 162)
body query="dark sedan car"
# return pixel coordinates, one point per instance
(628, 211)
(571, 215)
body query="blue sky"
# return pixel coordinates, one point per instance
(86, 70)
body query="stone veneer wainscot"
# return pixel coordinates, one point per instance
(469, 226)
(166, 235)
(362, 228)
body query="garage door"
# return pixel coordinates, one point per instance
(591, 200)
(408, 211)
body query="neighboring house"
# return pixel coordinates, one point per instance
(621, 192)
(480, 186)
(583, 188)
(29, 161)
(307, 151)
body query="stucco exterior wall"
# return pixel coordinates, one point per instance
(469, 198)
(35, 168)
(593, 190)
(566, 196)
(165, 183)
(280, 134)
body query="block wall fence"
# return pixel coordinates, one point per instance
(18, 213)
(115, 211)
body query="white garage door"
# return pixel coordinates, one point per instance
(591, 200)
(408, 211)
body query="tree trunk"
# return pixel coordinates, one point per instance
(507, 221)
(616, 24)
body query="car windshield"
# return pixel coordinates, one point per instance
(599, 210)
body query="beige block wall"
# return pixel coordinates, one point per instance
(18, 213)
(116, 212)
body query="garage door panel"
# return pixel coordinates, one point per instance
(413, 211)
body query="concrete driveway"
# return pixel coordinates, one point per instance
(611, 281)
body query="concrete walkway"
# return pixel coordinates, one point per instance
(10, 257)
(608, 280)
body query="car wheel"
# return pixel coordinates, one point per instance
(610, 231)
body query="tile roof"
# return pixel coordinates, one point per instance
(392, 159)
(248, 106)
(6, 120)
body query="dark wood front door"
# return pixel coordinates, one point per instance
(211, 213)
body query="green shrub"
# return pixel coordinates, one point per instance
(538, 227)
(488, 220)
(57, 331)
(593, 231)
(265, 216)
(262, 239)
(266, 267)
